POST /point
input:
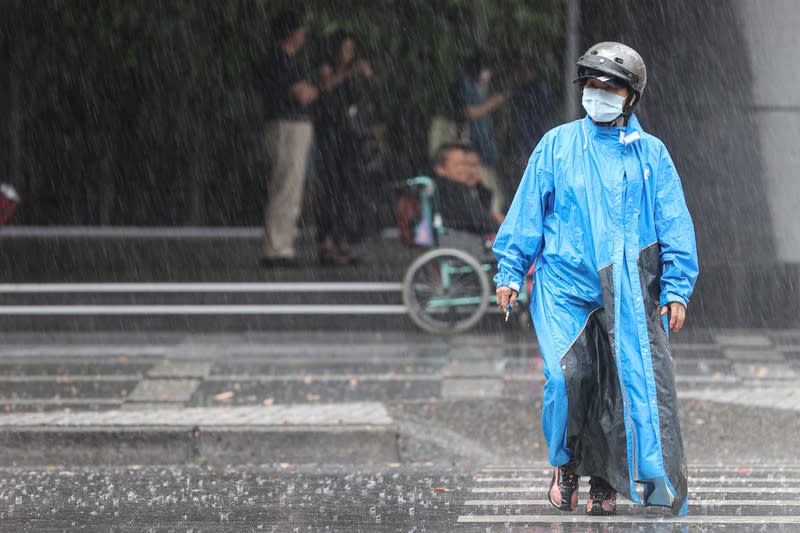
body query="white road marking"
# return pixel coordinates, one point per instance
(245, 287)
(704, 493)
(82, 350)
(692, 490)
(625, 503)
(299, 309)
(713, 467)
(334, 378)
(548, 519)
(159, 232)
(724, 478)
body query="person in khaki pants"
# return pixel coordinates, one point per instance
(287, 138)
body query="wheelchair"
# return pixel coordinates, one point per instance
(446, 289)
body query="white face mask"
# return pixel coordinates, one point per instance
(602, 105)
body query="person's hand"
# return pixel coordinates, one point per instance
(677, 314)
(364, 68)
(506, 296)
(497, 99)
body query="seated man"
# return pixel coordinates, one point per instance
(463, 202)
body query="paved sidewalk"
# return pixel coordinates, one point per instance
(123, 378)
(359, 396)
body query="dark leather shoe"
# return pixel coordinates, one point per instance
(278, 262)
(602, 498)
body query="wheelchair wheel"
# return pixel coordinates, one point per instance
(446, 290)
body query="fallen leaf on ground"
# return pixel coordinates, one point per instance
(268, 401)
(441, 489)
(223, 396)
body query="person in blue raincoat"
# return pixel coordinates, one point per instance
(601, 212)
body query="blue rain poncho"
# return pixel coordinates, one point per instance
(601, 212)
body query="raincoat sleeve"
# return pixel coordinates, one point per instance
(519, 240)
(675, 233)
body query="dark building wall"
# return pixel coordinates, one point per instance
(699, 101)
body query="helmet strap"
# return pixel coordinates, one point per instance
(627, 109)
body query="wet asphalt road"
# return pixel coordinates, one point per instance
(466, 452)
(389, 497)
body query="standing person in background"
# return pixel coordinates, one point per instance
(474, 181)
(473, 104)
(531, 108)
(601, 212)
(342, 125)
(287, 138)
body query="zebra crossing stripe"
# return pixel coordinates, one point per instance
(550, 519)
(734, 478)
(788, 467)
(693, 503)
(692, 490)
(767, 466)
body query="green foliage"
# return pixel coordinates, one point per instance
(132, 108)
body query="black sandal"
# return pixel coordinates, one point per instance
(329, 257)
(349, 257)
(566, 481)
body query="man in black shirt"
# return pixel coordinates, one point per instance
(287, 138)
(463, 202)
